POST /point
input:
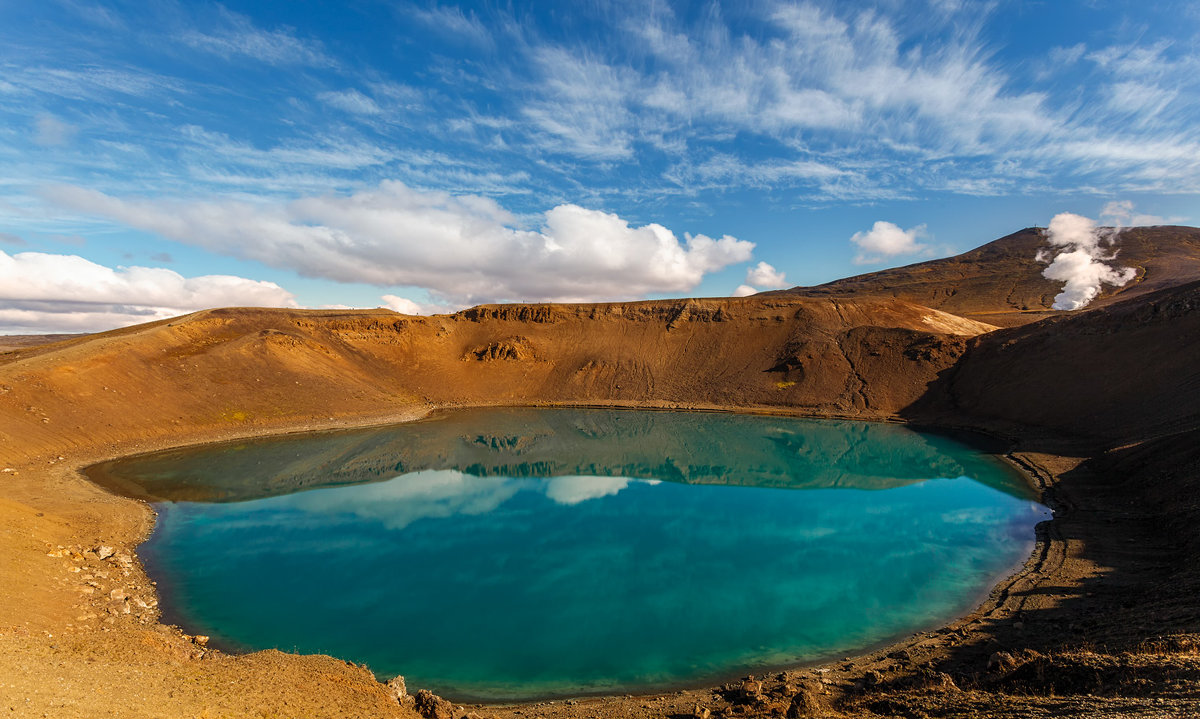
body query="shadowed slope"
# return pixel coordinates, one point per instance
(1001, 282)
(1116, 375)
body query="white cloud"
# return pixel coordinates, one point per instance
(764, 276)
(464, 249)
(583, 104)
(1082, 263)
(573, 489)
(329, 154)
(441, 493)
(45, 293)
(405, 306)
(237, 35)
(453, 22)
(885, 240)
(744, 291)
(351, 101)
(1120, 213)
(49, 131)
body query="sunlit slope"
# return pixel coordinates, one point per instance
(241, 368)
(1001, 282)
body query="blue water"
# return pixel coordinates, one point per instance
(514, 553)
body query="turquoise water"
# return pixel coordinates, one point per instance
(514, 553)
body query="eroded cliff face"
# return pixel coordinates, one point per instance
(260, 368)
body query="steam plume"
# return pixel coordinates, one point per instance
(1081, 263)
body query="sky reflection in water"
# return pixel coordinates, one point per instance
(517, 553)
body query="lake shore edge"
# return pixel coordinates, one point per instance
(1048, 561)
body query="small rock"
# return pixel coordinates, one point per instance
(872, 679)
(751, 689)
(104, 552)
(700, 712)
(397, 687)
(431, 706)
(806, 702)
(1001, 662)
(940, 681)
(200, 639)
(117, 595)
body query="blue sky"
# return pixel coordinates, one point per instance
(157, 157)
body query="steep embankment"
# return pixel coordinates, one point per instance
(237, 368)
(79, 631)
(1117, 375)
(1104, 406)
(1001, 282)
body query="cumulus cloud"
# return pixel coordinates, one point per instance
(463, 249)
(765, 276)
(441, 493)
(885, 240)
(405, 306)
(760, 277)
(1082, 262)
(576, 489)
(1121, 214)
(55, 293)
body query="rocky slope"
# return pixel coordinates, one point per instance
(1103, 408)
(1118, 374)
(231, 368)
(1001, 282)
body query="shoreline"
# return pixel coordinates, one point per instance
(94, 473)
(1100, 620)
(990, 599)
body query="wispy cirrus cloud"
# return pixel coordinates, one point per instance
(454, 23)
(236, 36)
(350, 101)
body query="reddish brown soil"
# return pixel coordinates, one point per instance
(1001, 282)
(1102, 407)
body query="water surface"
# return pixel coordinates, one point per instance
(513, 553)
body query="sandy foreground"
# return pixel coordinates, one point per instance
(1101, 621)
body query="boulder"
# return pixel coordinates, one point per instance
(397, 687)
(431, 706)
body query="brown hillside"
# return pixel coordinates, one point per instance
(1120, 374)
(1103, 406)
(14, 342)
(1001, 282)
(246, 368)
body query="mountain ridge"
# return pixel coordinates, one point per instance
(1001, 282)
